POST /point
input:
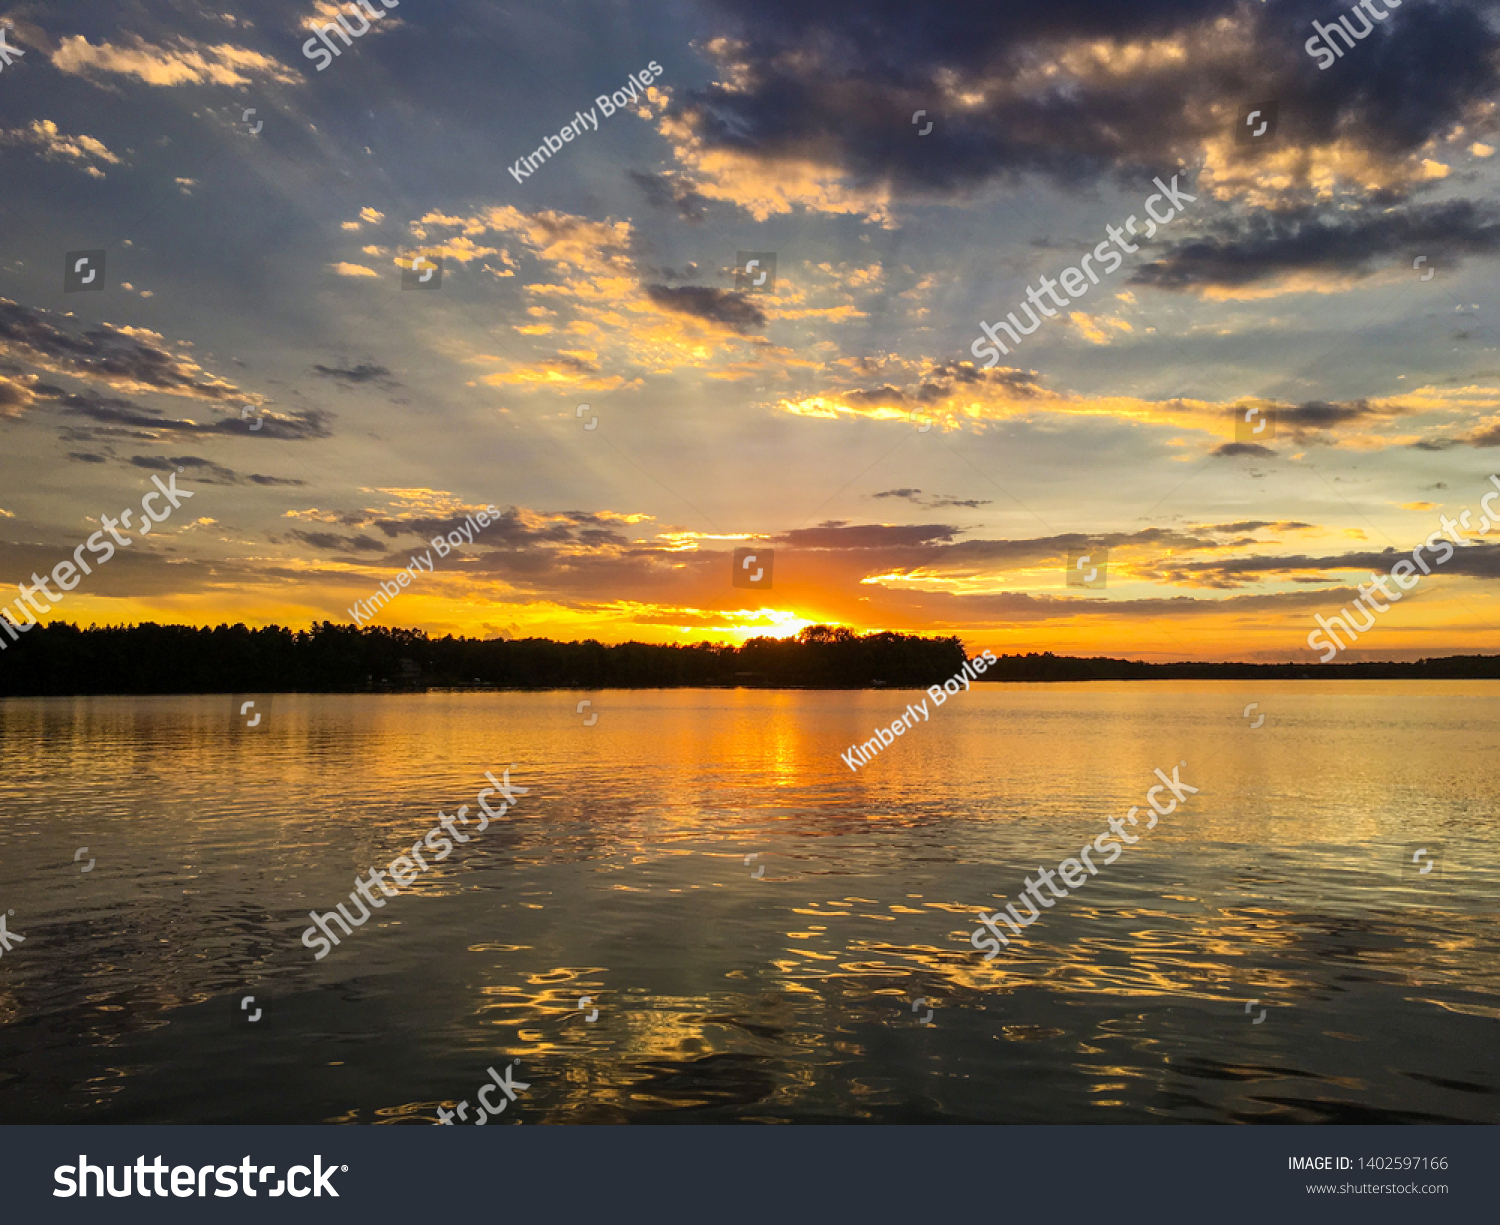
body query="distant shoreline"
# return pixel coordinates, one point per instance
(61, 660)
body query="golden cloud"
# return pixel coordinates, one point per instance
(184, 62)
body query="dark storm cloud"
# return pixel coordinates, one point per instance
(1245, 448)
(837, 83)
(1263, 246)
(731, 310)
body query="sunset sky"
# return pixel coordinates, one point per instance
(840, 419)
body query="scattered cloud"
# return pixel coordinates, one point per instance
(83, 152)
(180, 61)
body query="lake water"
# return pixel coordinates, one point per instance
(782, 987)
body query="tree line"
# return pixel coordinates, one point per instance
(60, 658)
(1049, 667)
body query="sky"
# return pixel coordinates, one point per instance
(595, 363)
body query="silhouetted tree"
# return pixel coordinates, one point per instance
(62, 659)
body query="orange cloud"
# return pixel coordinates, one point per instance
(184, 62)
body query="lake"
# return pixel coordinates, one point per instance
(761, 933)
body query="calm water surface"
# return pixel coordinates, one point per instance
(723, 996)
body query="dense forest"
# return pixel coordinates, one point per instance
(63, 659)
(60, 659)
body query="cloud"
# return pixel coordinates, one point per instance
(122, 417)
(15, 398)
(1313, 250)
(1482, 436)
(955, 395)
(128, 359)
(734, 311)
(83, 152)
(331, 542)
(812, 105)
(344, 269)
(358, 376)
(603, 312)
(1475, 559)
(932, 574)
(325, 11)
(205, 471)
(671, 192)
(914, 496)
(180, 62)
